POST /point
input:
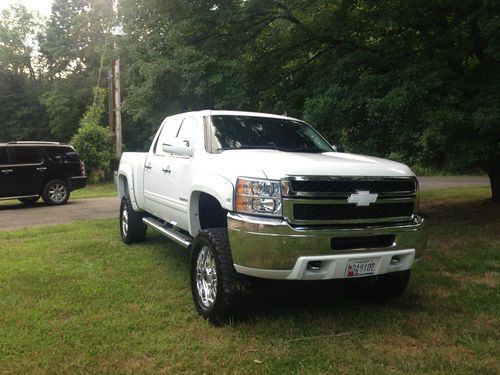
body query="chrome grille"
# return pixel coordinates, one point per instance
(324, 200)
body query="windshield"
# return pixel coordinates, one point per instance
(249, 132)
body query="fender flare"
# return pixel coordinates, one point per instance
(214, 185)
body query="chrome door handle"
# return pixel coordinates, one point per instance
(7, 171)
(41, 169)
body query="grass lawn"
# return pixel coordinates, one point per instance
(95, 191)
(74, 299)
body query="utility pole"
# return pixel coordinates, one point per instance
(115, 92)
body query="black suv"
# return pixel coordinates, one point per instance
(29, 170)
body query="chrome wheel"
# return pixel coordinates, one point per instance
(57, 193)
(206, 277)
(125, 220)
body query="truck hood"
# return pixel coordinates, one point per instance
(274, 164)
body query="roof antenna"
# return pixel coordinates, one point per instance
(285, 114)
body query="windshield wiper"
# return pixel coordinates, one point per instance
(303, 149)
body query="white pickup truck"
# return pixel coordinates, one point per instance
(255, 195)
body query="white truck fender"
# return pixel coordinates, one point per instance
(212, 184)
(126, 185)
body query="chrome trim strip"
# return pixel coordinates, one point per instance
(344, 201)
(19, 197)
(307, 194)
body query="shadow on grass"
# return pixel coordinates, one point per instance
(272, 299)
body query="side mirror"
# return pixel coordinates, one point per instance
(178, 146)
(335, 148)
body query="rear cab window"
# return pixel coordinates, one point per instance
(27, 155)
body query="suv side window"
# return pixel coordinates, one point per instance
(4, 156)
(26, 155)
(62, 155)
(169, 131)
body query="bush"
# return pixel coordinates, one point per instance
(92, 140)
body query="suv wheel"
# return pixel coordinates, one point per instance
(29, 201)
(215, 285)
(55, 192)
(132, 229)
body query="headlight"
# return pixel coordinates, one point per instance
(256, 196)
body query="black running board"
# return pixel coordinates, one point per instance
(181, 239)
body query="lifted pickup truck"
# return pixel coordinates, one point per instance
(256, 195)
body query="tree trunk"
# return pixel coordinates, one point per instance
(494, 175)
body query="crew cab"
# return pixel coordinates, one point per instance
(33, 169)
(256, 195)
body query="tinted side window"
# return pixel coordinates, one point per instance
(62, 154)
(4, 156)
(26, 155)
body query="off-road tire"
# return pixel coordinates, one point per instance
(229, 284)
(29, 201)
(132, 229)
(55, 192)
(382, 288)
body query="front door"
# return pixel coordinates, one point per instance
(156, 173)
(180, 175)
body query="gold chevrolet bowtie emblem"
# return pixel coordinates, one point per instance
(362, 198)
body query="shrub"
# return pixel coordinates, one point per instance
(92, 140)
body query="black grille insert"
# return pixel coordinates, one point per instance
(350, 186)
(367, 242)
(351, 211)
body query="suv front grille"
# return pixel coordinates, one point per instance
(324, 200)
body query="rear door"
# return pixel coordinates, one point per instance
(29, 170)
(6, 170)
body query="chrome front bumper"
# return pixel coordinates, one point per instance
(271, 248)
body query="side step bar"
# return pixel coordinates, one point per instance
(181, 239)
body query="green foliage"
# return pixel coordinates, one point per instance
(92, 140)
(419, 80)
(18, 29)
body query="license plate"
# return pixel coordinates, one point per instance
(361, 267)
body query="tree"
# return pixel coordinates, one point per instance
(92, 139)
(21, 115)
(416, 81)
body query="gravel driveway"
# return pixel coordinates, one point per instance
(18, 216)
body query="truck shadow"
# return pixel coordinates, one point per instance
(311, 300)
(340, 298)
